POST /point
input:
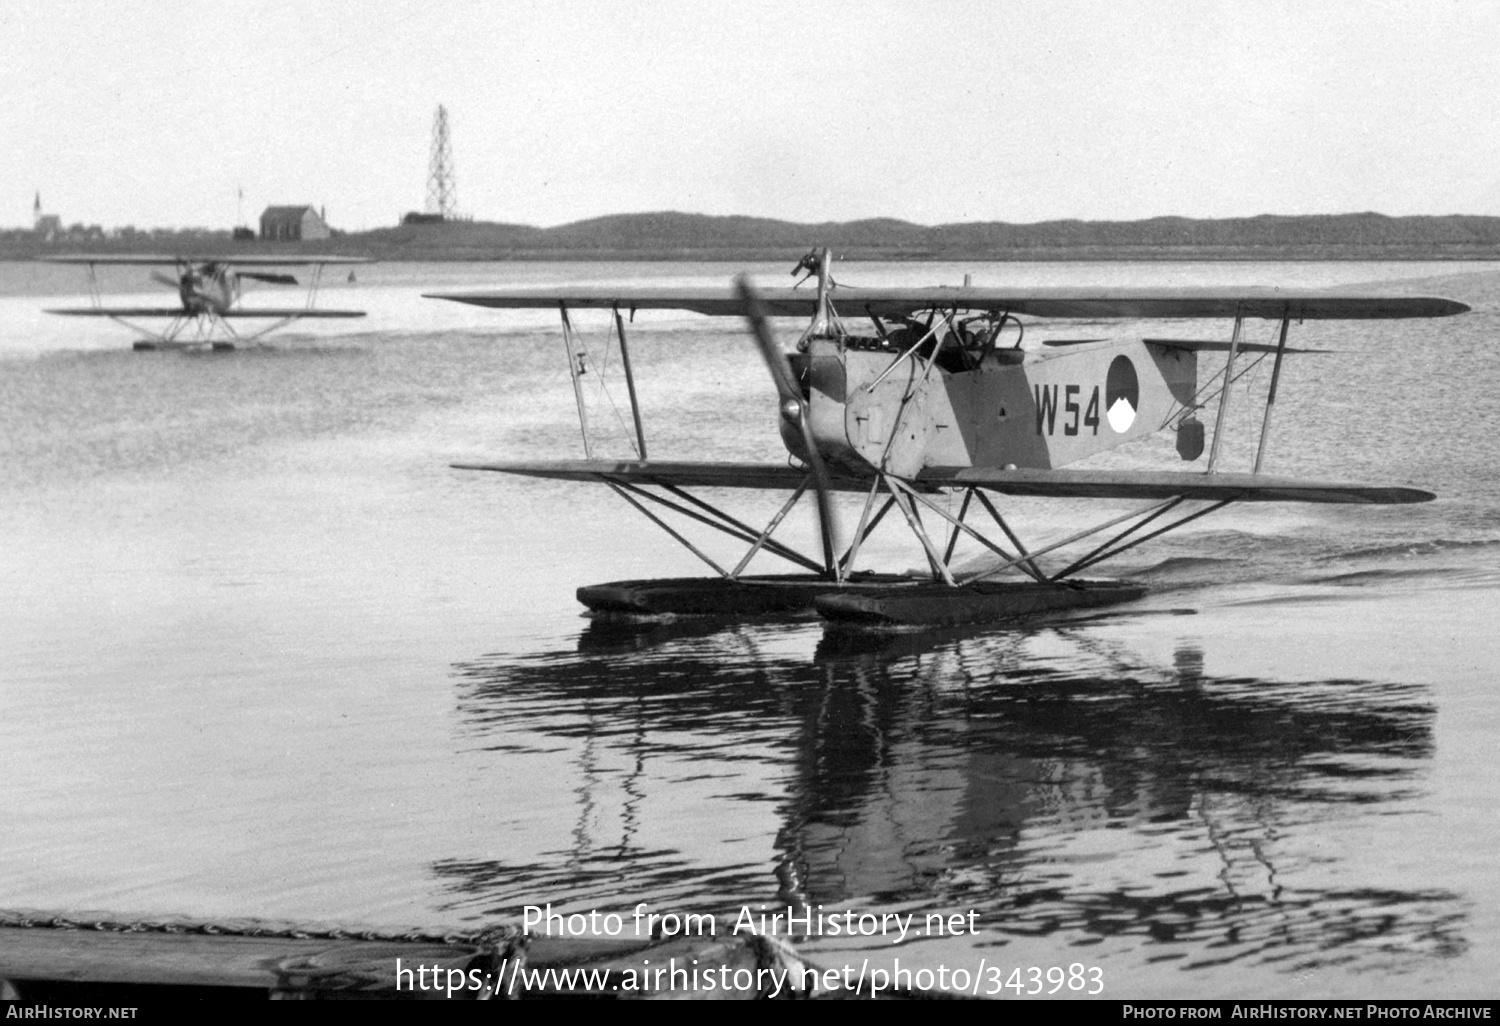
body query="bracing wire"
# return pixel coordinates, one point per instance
(602, 389)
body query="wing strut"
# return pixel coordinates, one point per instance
(1022, 564)
(576, 370)
(765, 535)
(959, 523)
(1034, 570)
(947, 321)
(914, 521)
(1111, 549)
(1265, 425)
(1234, 349)
(635, 406)
(867, 526)
(1079, 536)
(312, 286)
(1101, 552)
(578, 358)
(719, 521)
(659, 522)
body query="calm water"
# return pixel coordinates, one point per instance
(262, 653)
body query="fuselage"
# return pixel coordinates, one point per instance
(208, 289)
(984, 407)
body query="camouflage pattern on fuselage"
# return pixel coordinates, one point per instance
(1037, 409)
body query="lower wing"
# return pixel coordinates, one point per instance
(1081, 484)
(1166, 484)
(776, 476)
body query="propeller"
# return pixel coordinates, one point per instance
(171, 283)
(269, 279)
(793, 407)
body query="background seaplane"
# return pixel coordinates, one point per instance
(931, 403)
(208, 293)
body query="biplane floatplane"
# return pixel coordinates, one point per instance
(940, 401)
(208, 293)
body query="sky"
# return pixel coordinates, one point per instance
(161, 114)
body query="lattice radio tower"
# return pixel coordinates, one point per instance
(442, 194)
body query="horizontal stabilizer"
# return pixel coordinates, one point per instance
(1220, 346)
(296, 313)
(1084, 303)
(1194, 344)
(1082, 484)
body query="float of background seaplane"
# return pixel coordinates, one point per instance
(932, 405)
(209, 289)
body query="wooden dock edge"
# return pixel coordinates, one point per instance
(51, 957)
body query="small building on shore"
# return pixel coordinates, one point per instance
(292, 224)
(47, 226)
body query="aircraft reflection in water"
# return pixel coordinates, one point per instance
(1054, 784)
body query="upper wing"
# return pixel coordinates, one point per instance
(1090, 484)
(1053, 302)
(177, 311)
(230, 259)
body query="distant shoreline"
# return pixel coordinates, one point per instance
(1351, 255)
(669, 236)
